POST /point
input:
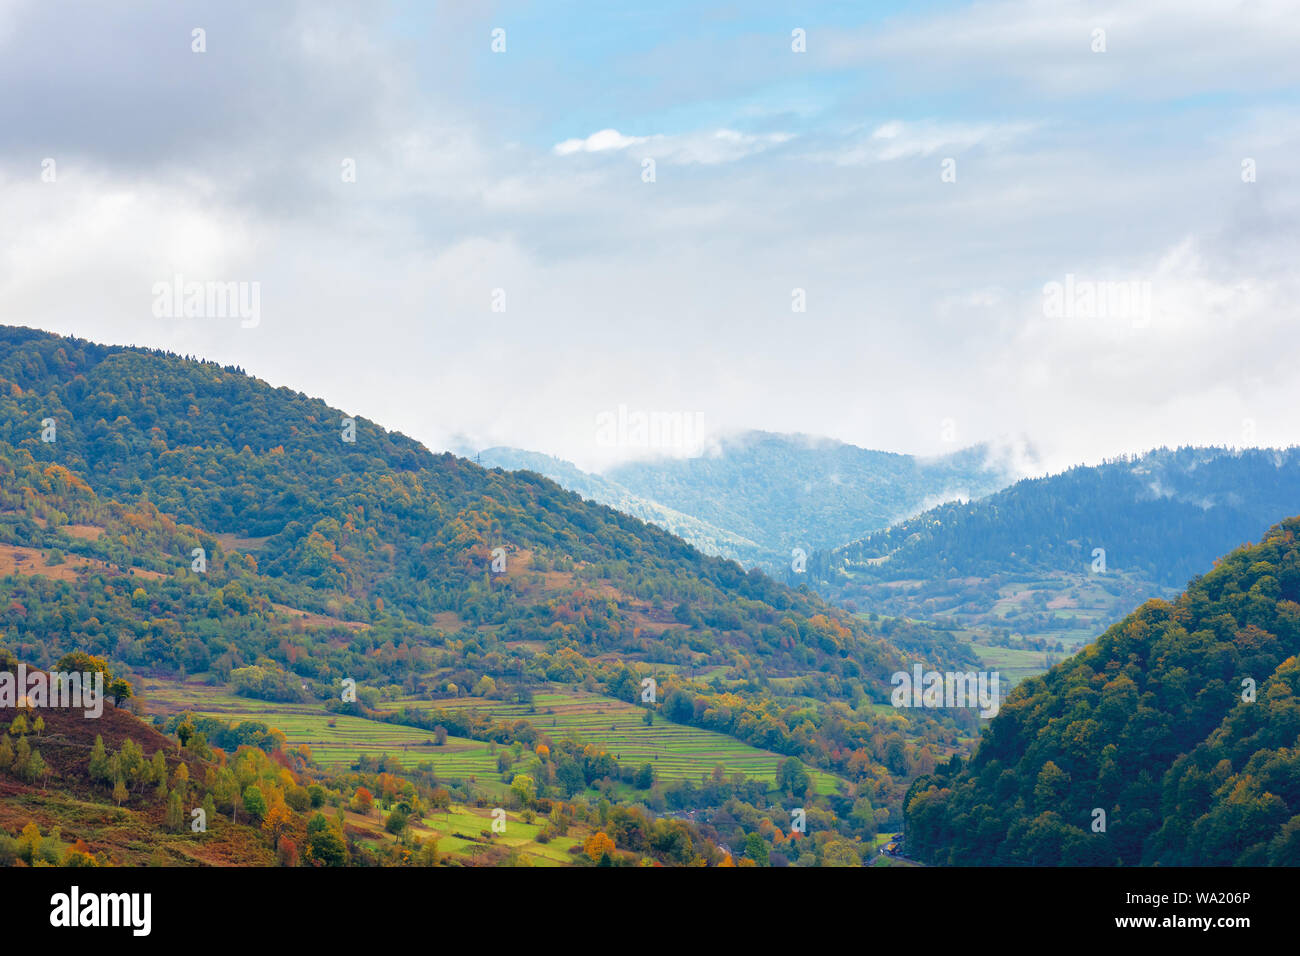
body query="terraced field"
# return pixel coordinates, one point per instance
(675, 751)
(332, 746)
(1013, 664)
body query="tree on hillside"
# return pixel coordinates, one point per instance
(523, 787)
(597, 845)
(254, 802)
(286, 852)
(22, 757)
(158, 774)
(840, 853)
(324, 846)
(181, 778)
(36, 768)
(428, 854)
(130, 763)
(120, 689)
(175, 816)
(363, 801)
(209, 809)
(99, 766)
(279, 820)
(791, 776)
(397, 823)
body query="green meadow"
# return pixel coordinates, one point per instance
(460, 832)
(1013, 664)
(336, 740)
(677, 752)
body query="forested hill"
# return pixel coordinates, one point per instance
(375, 559)
(1051, 562)
(1181, 725)
(376, 519)
(1166, 515)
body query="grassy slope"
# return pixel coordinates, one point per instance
(130, 835)
(675, 751)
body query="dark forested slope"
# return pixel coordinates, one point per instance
(1063, 557)
(1181, 725)
(1166, 515)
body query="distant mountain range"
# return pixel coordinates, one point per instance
(1039, 566)
(757, 495)
(708, 538)
(1070, 553)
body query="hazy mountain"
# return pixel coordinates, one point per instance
(1068, 554)
(706, 537)
(757, 496)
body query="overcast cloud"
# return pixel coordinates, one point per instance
(524, 171)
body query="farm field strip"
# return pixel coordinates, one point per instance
(676, 751)
(336, 746)
(472, 822)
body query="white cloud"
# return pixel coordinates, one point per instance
(723, 146)
(600, 142)
(924, 298)
(898, 139)
(703, 148)
(1044, 48)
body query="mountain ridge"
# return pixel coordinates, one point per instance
(1061, 557)
(755, 496)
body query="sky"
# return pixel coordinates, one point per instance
(909, 226)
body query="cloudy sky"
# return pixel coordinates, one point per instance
(504, 268)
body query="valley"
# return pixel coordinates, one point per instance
(402, 634)
(675, 753)
(249, 567)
